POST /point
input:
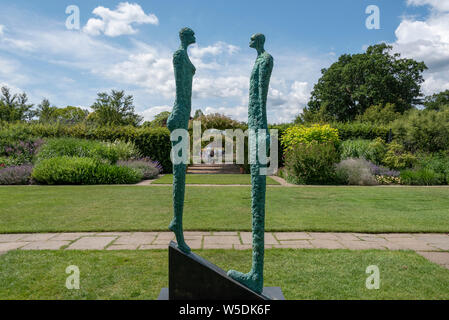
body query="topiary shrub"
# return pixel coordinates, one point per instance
(82, 171)
(311, 163)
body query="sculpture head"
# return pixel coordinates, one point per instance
(257, 42)
(187, 36)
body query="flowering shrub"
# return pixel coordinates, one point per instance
(20, 152)
(388, 180)
(398, 158)
(72, 147)
(356, 172)
(307, 135)
(149, 169)
(16, 175)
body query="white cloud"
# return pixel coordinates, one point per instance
(2, 27)
(118, 22)
(148, 114)
(427, 40)
(440, 5)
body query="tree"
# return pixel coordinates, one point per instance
(437, 100)
(15, 107)
(114, 109)
(356, 82)
(380, 114)
(198, 114)
(160, 120)
(46, 112)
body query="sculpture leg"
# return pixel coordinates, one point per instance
(254, 279)
(179, 184)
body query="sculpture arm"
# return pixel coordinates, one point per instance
(179, 75)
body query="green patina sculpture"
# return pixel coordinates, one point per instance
(179, 119)
(257, 120)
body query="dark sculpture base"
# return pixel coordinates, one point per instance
(194, 278)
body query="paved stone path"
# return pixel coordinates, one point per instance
(434, 247)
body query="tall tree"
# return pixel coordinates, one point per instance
(356, 82)
(437, 100)
(114, 109)
(15, 107)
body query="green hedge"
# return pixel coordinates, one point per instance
(152, 143)
(359, 130)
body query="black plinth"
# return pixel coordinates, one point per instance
(194, 278)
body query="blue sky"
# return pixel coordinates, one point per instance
(128, 45)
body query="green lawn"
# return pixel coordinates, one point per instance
(132, 208)
(302, 274)
(219, 179)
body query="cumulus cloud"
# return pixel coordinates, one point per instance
(148, 114)
(440, 5)
(118, 22)
(427, 40)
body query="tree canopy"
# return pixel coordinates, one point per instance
(114, 109)
(15, 107)
(356, 82)
(437, 100)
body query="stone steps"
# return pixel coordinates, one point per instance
(213, 169)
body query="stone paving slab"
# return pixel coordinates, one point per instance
(91, 243)
(441, 258)
(45, 245)
(429, 245)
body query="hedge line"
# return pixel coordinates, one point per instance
(152, 143)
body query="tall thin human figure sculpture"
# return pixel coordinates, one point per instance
(179, 119)
(257, 121)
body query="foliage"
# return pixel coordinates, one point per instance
(67, 115)
(76, 170)
(72, 147)
(149, 169)
(388, 180)
(21, 151)
(219, 122)
(438, 162)
(355, 172)
(379, 114)
(16, 175)
(356, 82)
(437, 100)
(423, 130)
(398, 158)
(114, 109)
(307, 135)
(420, 177)
(14, 107)
(152, 143)
(160, 120)
(369, 150)
(311, 163)
(198, 113)
(361, 130)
